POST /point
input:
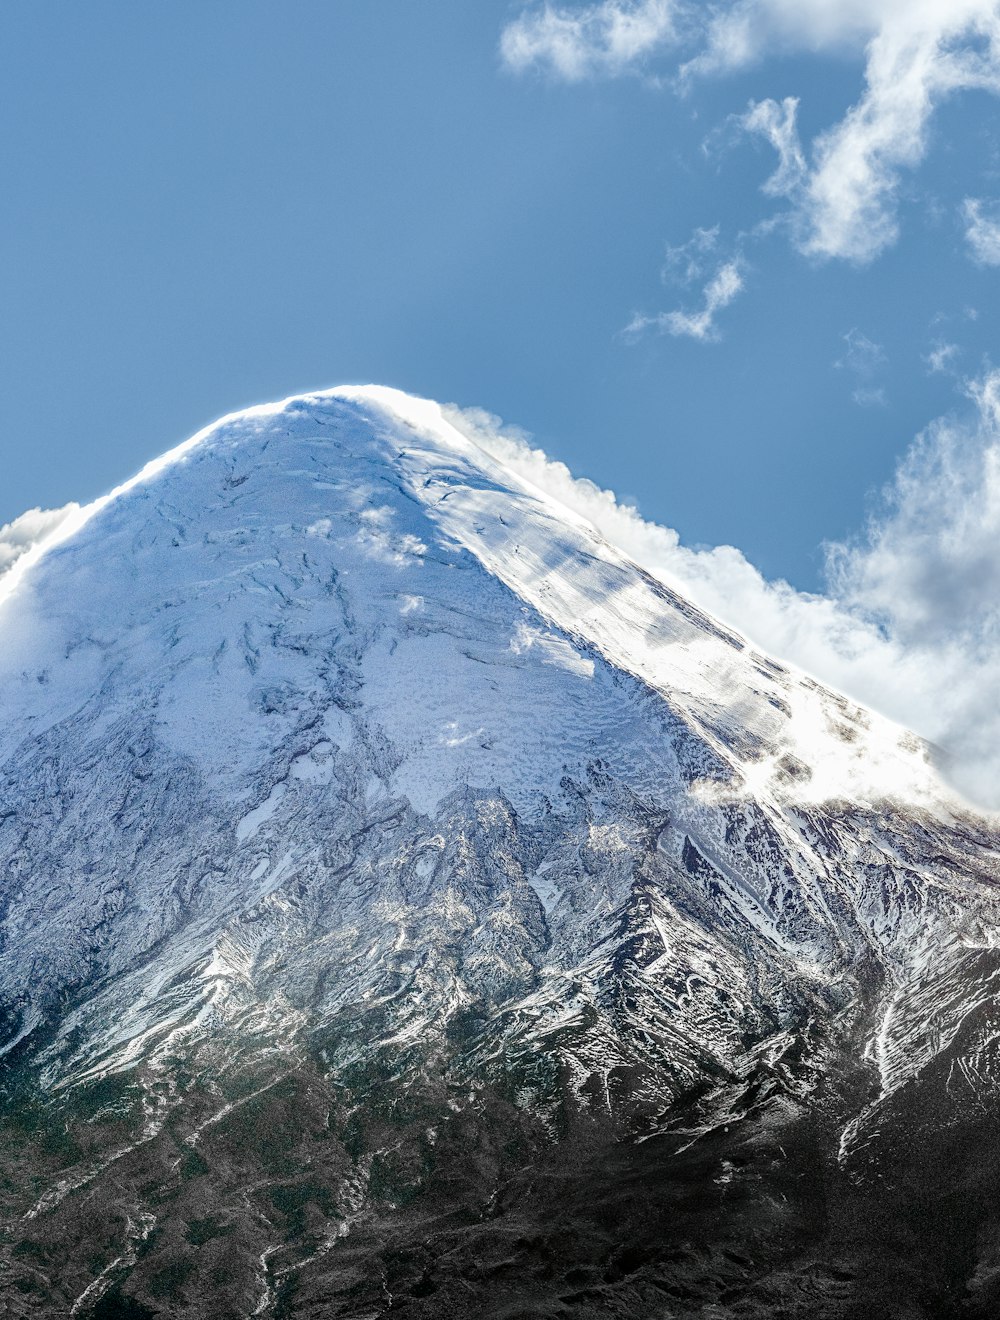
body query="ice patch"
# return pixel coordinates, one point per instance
(253, 820)
(315, 766)
(552, 650)
(548, 891)
(452, 736)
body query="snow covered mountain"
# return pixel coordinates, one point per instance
(410, 904)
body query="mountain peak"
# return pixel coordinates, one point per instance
(392, 477)
(345, 773)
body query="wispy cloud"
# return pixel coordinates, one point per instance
(910, 623)
(941, 358)
(776, 123)
(863, 359)
(982, 232)
(844, 190)
(920, 54)
(575, 43)
(719, 292)
(916, 55)
(684, 263)
(929, 564)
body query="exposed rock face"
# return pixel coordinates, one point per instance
(411, 906)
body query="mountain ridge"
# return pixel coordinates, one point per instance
(344, 773)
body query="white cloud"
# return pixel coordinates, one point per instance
(776, 123)
(911, 622)
(982, 233)
(941, 357)
(845, 195)
(863, 356)
(931, 564)
(920, 54)
(864, 359)
(26, 531)
(719, 292)
(870, 396)
(928, 573)
(917, 53)
(685, 262)
(741, 33)
(576, 43)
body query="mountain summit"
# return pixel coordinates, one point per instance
(411, 905)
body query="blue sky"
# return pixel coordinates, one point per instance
(211, 204)
(735, 261)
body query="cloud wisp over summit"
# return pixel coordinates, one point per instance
(910, 621)
(28, 530)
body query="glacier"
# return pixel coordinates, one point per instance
(410, 904)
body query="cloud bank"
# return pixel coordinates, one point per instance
(910, 624)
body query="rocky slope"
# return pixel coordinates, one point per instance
(411, 906)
